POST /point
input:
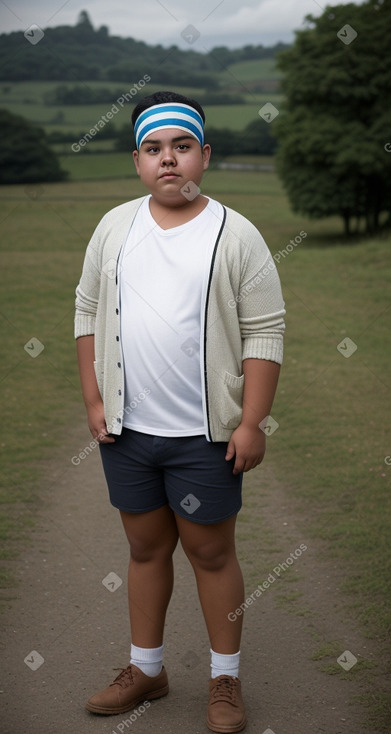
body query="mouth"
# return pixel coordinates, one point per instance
(169, 176)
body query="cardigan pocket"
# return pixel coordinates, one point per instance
(99, 374)
(230, 410)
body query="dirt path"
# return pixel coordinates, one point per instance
(63, 612)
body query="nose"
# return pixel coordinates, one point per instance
(168, 157)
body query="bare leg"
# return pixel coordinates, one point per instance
(152, 537)
(211, 551)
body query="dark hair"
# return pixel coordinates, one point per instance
(161, 98)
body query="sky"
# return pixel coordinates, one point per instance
(218, 22)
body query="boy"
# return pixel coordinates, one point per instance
(179, 327)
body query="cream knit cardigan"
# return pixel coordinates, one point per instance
(242, 315)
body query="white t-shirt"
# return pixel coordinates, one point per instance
(163, 274)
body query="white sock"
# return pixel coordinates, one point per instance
(148, 659)
(224, 664)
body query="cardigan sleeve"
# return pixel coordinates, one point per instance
(261, 308)
(87, 291)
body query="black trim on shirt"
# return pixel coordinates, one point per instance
(205, 317)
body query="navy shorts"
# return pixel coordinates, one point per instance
(190, 474)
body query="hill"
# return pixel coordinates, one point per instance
(82, 53)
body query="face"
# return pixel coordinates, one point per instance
(167, 161)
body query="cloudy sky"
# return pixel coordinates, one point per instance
(219, 22)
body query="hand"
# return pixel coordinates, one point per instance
(97, 424)
(248, 445)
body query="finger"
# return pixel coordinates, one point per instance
(230, 451)
(253, 464)
(248, 464)
(239, 466)
(103, 436)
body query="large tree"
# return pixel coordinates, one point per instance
(334, 129)
(25, 154)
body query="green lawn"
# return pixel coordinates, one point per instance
(331, 444)
(84, 166)
(237, 117)
(26, 99)
(111, 165)
(253, 71)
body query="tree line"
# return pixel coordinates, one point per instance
(82, 94)
(256, 139)
(82, 53)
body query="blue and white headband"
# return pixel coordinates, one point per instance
(166, 115)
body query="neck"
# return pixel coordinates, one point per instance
(168, 216)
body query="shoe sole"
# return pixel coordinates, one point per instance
(124, 709)
(226, 729)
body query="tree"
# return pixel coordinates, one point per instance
(84, 21)
(25, 155)
(83, 53)
(335, 123)
(258, 139)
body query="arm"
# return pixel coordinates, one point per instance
(261, 319)
(248, 441)
(92, 397)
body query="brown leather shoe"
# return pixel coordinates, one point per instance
(130, 688)
(225, 709)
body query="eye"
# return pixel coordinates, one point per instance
(153, 149)
(183, 146)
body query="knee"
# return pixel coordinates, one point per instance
(210, 556)
(147, 553)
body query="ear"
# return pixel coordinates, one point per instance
(206, 153)
(136, 161)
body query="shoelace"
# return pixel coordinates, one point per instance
(125, 678)
(225, 689)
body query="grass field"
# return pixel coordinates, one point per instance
(331, 446)
(261, 70)
(27, 99)
(111, 164)
(247, 72)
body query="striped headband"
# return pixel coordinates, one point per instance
(166, 115)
